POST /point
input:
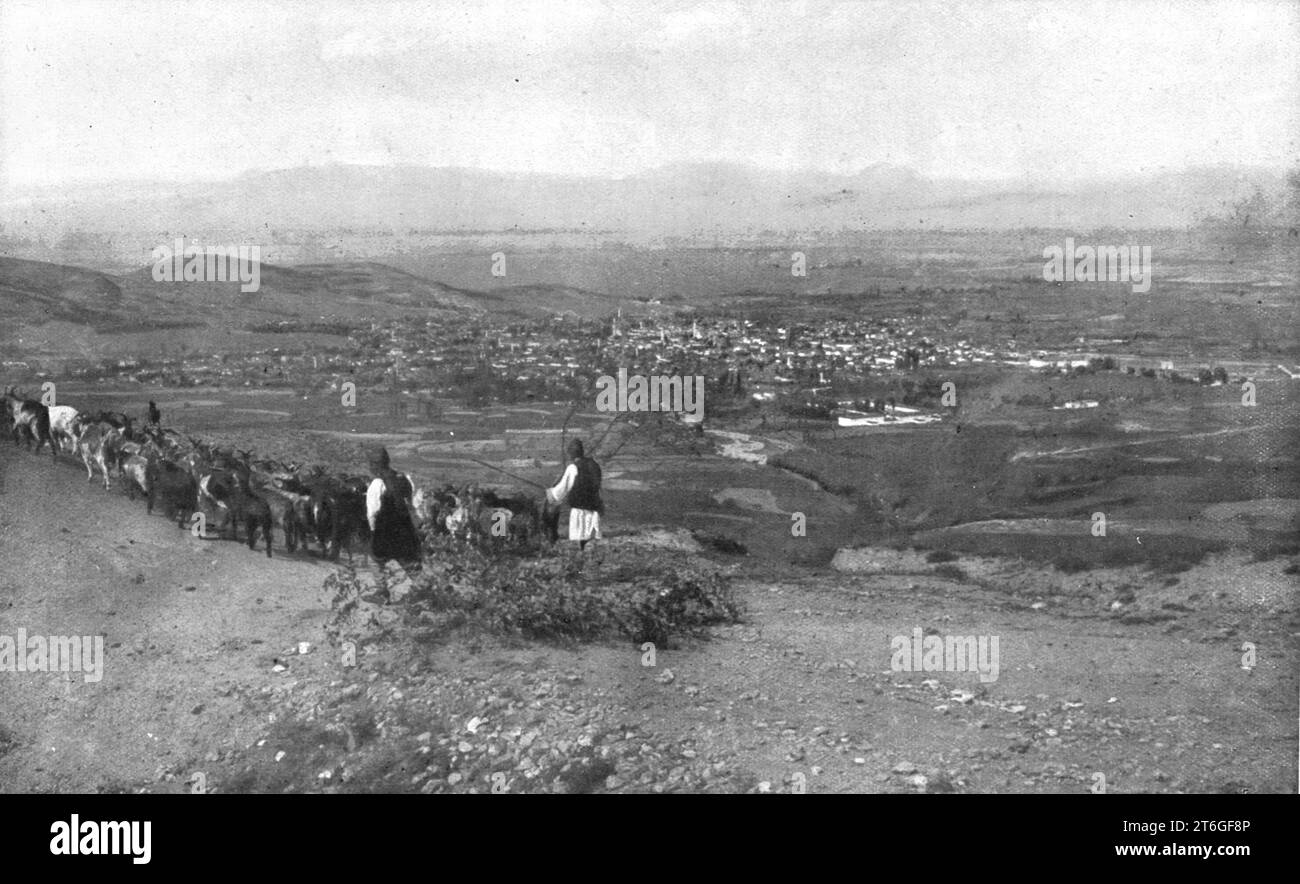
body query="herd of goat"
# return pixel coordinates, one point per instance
(183, 476)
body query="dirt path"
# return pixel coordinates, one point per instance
(181, 616)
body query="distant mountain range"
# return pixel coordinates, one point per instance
(712, 199)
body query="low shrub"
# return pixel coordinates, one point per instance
(644, 595)
(952, 572)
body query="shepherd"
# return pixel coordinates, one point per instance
(388, 509)
(579, 487)
(155, 416)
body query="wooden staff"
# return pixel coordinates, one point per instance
(508, 473)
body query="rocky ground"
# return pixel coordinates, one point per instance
(221, 675)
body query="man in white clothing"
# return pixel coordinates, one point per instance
(579, 487)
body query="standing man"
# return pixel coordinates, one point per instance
(155, 416)
(388, 510)
(579, 487)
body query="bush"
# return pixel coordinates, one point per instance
(644, 595)
(720, 543)
(941, 555)
(952, 572)
(1072, 564)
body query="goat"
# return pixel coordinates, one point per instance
(174, 487)
(284, 513)
(232, 493)
(286, 505)
(117, 420)
(519, 511)
(432, 507)
(112, 455)
(90, 445)
(135, 468)
(338, 514)
(64, 420)
(30, 418)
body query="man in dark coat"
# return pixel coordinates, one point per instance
(388, 509)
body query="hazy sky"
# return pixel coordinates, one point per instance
(175, 90)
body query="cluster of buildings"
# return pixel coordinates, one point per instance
(782, 354)
(495, 359)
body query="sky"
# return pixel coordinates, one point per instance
(99, 91)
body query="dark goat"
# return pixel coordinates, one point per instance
(174, 488)
(338, 514)
(524, 519)
(115, 419)
(30, 419)
(433, 506)
(233, 494)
